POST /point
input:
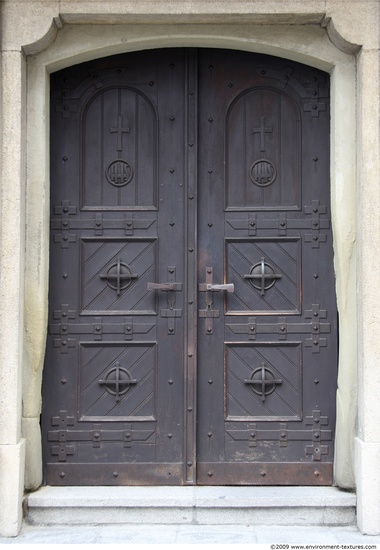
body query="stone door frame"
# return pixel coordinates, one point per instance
(71, 47)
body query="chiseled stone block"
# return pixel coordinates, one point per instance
(191, 505)
(368, 486)
(12, 461)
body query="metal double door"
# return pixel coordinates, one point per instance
(192, 317)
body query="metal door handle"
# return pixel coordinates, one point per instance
(229, 287)
(164, 286)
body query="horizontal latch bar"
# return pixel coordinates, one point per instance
(164, 286)
(204, 287)
(229, 287)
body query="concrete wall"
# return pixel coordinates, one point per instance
(40, 36)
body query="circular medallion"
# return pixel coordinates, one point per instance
(262, 276)
(263, 382)
(117, 381)
(263, 173)
(119, 276)
(119, 173)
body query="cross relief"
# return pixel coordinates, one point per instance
(119, 130)
(262, 131)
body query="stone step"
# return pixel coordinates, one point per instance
(190, 505)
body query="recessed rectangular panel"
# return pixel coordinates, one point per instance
(117, 382)
(263, 381)
(266, 274)
(115, 274)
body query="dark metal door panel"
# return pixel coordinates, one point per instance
(267, 351)
(192, 324)
(114, 375)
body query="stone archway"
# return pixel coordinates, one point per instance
(78, 43)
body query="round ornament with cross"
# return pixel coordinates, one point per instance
(117, 381)
(119, 276)
(262, 276)
(263, 381)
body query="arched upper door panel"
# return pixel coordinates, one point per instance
(266, 170)
(119, 150)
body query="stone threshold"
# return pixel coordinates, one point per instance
(190, 505)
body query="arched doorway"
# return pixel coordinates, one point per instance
(192, 308)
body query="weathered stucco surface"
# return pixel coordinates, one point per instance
(339, 36)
